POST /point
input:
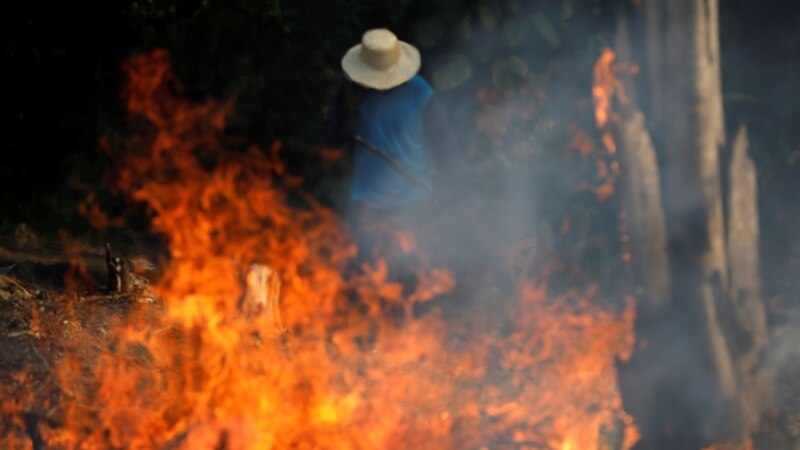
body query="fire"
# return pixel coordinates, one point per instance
(606, 88)
(605, 85)
(343, 363)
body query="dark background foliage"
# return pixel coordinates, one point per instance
(515, 74)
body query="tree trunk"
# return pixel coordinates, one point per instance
(654, 14)
(689, 359)
(642, 378)
(640, 189)
(694, 191)
(693, 379)
(745, 278)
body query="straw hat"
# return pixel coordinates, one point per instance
(381, 61)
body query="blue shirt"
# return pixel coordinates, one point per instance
(391, 121)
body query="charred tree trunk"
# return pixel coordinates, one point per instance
(693, 137)
(690, 383)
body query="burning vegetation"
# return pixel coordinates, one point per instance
(337, 357)
(258, 323)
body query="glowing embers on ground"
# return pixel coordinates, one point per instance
(342, 372)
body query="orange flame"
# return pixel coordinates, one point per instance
(345, 372)
(605, 84)
(606, 87)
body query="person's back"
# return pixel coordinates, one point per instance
(391, 121)
(394, 123)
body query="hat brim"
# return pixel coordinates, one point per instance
(362, 73)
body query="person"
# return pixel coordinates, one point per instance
(397, 127)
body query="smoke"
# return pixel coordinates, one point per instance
(517, 89)
(516, 85)
(528, 196)
(524, 194)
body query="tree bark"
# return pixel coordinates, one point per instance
(640, 188)
(694, 192)
(689, 360)
(745, 278)
(694, 378)
(643, 378)
(654, 13)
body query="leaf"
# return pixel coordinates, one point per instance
(488, 15)
(510, 72)
(463, 29)
(455, 70)
(567, 9)
(546, 29)
(794, 158)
